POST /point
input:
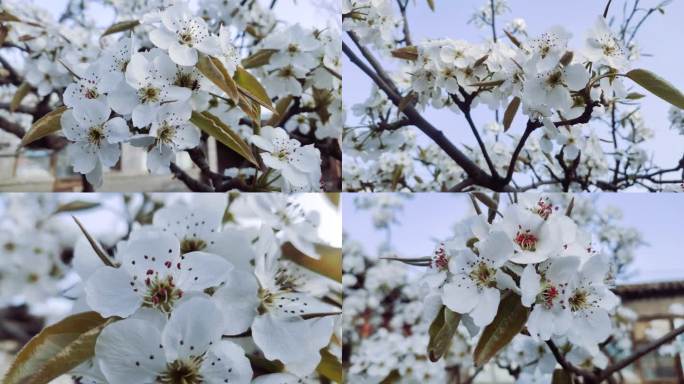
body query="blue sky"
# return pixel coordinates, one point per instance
(660, 37)
(429, 216)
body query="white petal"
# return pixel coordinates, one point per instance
(187, 136)
(157, 252)
(576, 76)
(460, 296)
(159, 159)
(540, 323)
(182, 54)
(128, 352)
(188, 223)
(262, 143)
(116, 130)
(137, 71)
(83, 156)
(497, 247)
(123, 99)
(277, 378)
(109, 154)
(273, 162)
(235, 246)
(298, 304)
(94, 177)
(295, 342)
(71, 128)
(192, 328)
(530, 285)
(486, 308)
(294, 176)
(144, 114)
(226, 362)
(201, 270)
(162, 38)
(109, 292)
(238, 301)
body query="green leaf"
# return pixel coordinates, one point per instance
(19, 95)
(441, 332)
(431, 4)
(509, 321)
(407, 53)
(50, 123)
(658, 86)
(334, 198)
(561, 377)
(214, 127)
(4, 31)
(486, 200)
(511, 110)
(6, 16)
(120, 27)
(250, 87)
(491, 213)
(282, 105)
(213, 69)
(56, 349)
(93, 243)
(492, 83)
(258, 58)
(76, 205)
(330, 367)
(329, 264)
(635, 96)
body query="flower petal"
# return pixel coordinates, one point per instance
(295, 342)
(128, 352)
(238, 301)
(110, 293)
(192, 328)
(226, 362)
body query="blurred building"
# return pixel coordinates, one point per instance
(652, 302)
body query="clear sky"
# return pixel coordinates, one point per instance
(430, 216)
(660, 38)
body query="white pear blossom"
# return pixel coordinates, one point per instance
(153, 273)
(94, 138)
(590, 301)
(269, 301)
(170, 133)
(294, 161)
(535, 239)
(186, 349)
(151, 76)
(289, 219)
(472, 286)
(602, 47)
(547, 289)
(183, 34)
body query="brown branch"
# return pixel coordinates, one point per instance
(567, 366)
(473, 171)
(192, 184)
(641, 352)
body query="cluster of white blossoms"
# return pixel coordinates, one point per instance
(199, 292)
(385, 323)
(534, 251)
(33, 253)
(556, 264)
(142, 87)
(572, 96)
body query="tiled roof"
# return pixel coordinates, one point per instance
(650, 290)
